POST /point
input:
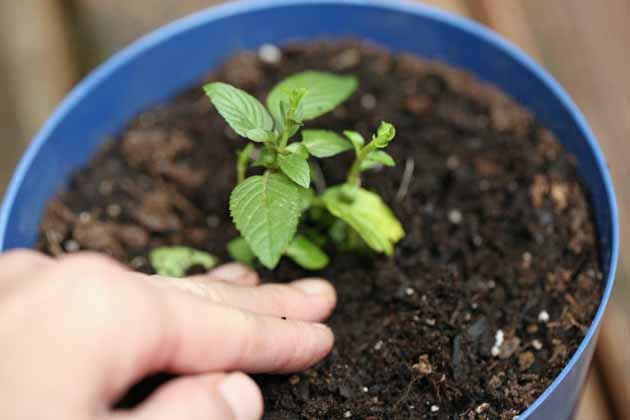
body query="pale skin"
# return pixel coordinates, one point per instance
(78, 331)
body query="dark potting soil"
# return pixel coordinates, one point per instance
(487, 296)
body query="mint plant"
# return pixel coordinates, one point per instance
(276, 211)
(267, 208)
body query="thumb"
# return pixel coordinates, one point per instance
(212, 396)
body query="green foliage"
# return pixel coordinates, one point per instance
(243, 112)
(367, 214)
(240, 251)
(295, 167)
(175, 261)
(321, 93)
(306, 253)
(324, 143)
(267, 209)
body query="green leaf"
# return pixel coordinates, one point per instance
(244, 113)
(306, 254)
(295, 167)
(324, 143)
(324, 92)
(259, 135)
(385, 133)
(356, 138)
(267, 157)
(306, 198)
(266, 210)
(367, 214)
(240, 251)
(377, 157)
(175, 261)
(299, 149)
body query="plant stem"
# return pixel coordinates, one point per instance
(354, 173)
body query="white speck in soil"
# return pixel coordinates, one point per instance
(105, 187)
(537, 344)
(452, 162)
(477, 240)
(138, 262)
(430, 322)
(455, 216)
(498, 341)
(365, 389)
(491, 284)
(368, 101)
(114, 210)
(85, 217)
(269, 53)
(378, 345)
(482, 408)
(347, 414)
(474, 305)
(71, 246)
(409, 291)
(435, 408)
(543, 316)
(213, 221)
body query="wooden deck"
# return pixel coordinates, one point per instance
(47, 46)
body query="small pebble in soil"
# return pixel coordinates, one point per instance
(213, 221)
(498, 341)
(85, 217)
(537, 344)
(452, 162)
(269, 53)
(106, 187)
(409, 291)
(294, 379)
(430, 322)
(138, 262)
(455, 216)
(482, 408)
(365, 389)
(71, 246)
(113, 210)
(368, 101)
(543, 316)
(435, 408)
(378, 345)
(347, 414)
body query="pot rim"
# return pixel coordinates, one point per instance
(480, 32)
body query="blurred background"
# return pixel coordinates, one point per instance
(47, 46)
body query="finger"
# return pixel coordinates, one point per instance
(306, 300)
(214, 396)
(21, 260)
(233, 273)
(209, 337)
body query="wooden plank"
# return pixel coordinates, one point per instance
(39, 60)
(585, 45)
(613, 358)
(508, 18)
(593, 404)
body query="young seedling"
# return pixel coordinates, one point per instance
(267, 209)
(277, 212)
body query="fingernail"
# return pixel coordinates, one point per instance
(235, 272)
(314, 287)
(242, 395)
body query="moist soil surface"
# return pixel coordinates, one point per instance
(487, 296)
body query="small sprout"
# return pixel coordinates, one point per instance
(239, 250)
(175, 261)
(267, 209)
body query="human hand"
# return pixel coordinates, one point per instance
(78, 331)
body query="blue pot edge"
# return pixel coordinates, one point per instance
(229, 9)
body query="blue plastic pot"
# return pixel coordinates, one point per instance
(159, 65)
